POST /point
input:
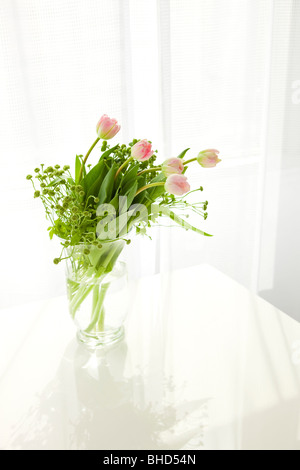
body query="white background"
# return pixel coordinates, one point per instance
(181, 73)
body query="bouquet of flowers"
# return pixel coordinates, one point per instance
(95, 210)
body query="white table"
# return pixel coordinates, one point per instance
(205, 365)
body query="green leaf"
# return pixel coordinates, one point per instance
(54, 182)
(124, 190)
(157, 191)
(107, 185)
(93, 190)
(129, 177)
(131, 194)
(78, 163)
(115, 201)
(159, 178)
(182, 154)
(92, 178)
(167, 212)
(108, 152)
(59, 229)
(51, 232)
(106, 229)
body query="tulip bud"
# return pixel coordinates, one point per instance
(107, 128)
(171, 166)
(208, 158)
(142, 150)
(177, 184)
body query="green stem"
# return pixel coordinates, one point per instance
(123, 165)
(79, 297)
(101, 270)
(95, 296)
(98, 310)
(94, 307)
(155, 168)
(101, 319)
(150, 185)
(189, 161)
(86, 157)
(101, 316)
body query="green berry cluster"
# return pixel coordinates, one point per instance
(70, 215)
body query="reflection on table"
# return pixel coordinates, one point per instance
(205, 364)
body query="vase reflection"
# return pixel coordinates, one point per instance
(97, 402)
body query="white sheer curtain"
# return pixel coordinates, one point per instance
(182, 73)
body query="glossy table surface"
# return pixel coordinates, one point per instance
(205, 364)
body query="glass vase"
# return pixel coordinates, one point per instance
(97, 287)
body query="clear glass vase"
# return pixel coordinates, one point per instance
(97, 286)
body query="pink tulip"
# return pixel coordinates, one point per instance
(107, 128)
(177, 185)
(208, 158)
(171, 166)
(142, 150)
